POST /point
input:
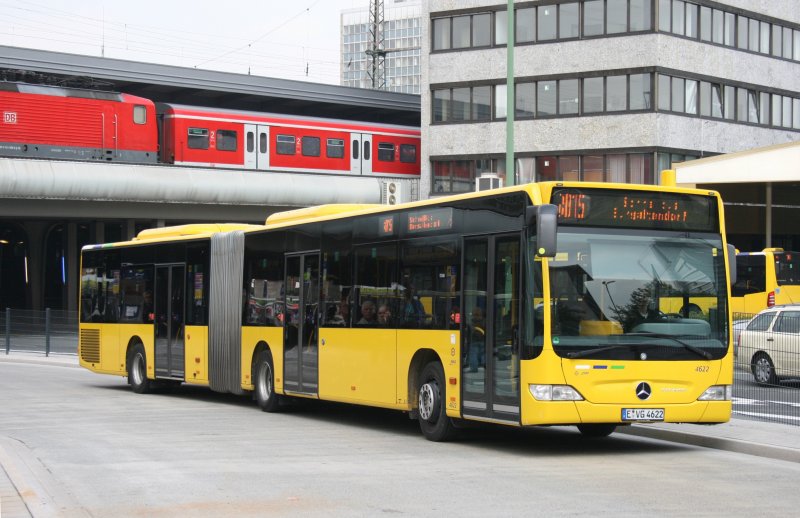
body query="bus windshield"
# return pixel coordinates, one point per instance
(638, 295)
(787, 268)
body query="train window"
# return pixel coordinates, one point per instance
(310, 146)
(385, 152)
(198, 138)
(408, 153)
(355, 150)
(335, 148)
(262, 142)
(226, 140)
(251, 142)
(366, 150)
(139, 114)
(285, 145)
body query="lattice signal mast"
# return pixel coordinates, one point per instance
(377, 68)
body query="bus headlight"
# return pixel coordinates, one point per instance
(554, 393)
(717, 393)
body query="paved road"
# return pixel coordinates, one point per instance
(74, 443)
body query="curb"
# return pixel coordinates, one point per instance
(718, 443)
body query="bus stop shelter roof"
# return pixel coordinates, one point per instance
(771, 164)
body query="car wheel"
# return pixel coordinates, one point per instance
(433, 420)
(264, 381)
(137, 370)
(597, 430)
(763, 370)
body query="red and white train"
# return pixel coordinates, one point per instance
(69, 123)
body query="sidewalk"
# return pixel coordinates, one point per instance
(760, 438)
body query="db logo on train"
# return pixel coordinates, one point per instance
(9, 117)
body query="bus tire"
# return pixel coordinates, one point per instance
(763, 369)
(432, 415)
(137, 370)
(597, 430)
(264, 383)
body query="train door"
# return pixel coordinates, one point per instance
(300, 348)
(256, 146)
(108, 144)
(169, 320)
(361, 153)
(490, 360)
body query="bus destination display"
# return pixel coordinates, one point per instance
(661, 210)
(429, 220)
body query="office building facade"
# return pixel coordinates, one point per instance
(401, 40)
(605, 90)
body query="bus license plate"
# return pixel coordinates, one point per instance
(642, 414)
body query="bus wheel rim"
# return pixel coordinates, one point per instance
(265, 382)
(427, 401)
(138, 369)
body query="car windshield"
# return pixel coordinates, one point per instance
(656, 295)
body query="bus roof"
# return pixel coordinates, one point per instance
(192, 229)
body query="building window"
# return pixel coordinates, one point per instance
(593, 18)
(546, 23)
(441, 34)
(285, 145)
(462, 104)
(525, 25)
(593, 95)
(568, 21)
(640, 92)
(546, 98)
(617, 93)
(568, 97)
(525, 100)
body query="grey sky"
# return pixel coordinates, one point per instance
(287, 39)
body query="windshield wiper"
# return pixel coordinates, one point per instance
(587, 352)
(700, 352)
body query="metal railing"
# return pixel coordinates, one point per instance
(48, 331)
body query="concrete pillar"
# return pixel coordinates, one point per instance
(72, 266)
(35, 265)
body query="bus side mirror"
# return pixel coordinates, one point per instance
(732, 263)
(546, 228)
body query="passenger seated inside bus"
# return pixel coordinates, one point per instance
(368, 314)
(384, 316)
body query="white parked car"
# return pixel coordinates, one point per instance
(771, 343)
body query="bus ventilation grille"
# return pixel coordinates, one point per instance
(90, 345)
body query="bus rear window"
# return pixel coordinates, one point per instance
(787, 268)
(198, 138)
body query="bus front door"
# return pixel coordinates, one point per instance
(300, 352)
(489, 352)
(169, 307)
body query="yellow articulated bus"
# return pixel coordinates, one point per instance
(765, 279)
(536, 304)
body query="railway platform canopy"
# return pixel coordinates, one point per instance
(198, 87)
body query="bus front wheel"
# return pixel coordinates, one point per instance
(264, 380)
(433, 420)
(137, 370)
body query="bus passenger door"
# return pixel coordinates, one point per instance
(489, 344)
(360, 153)
(256, 146)
(300, 351)
(169, 320)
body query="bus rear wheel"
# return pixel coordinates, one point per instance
(432, 415)
(137, 370)
(264, 381)
(597, 430)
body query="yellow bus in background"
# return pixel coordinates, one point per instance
(529, 305)
(765, 279)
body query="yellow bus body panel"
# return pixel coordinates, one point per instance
(444, 343)
(358, 365)
(272, 337)
(196, 355)
(675, 388)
